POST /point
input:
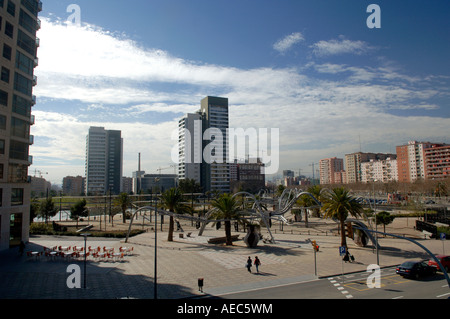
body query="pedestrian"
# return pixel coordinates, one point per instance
(257, 263)
(249, 264)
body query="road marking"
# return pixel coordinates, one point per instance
(448, 293)
(398, 297)
(340, 288)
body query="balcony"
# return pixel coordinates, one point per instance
(30, 159)
(38, 24)
(39, 6)
(32, 120)
(38, 42)
(31, 139)
(34, 80)
(36, 61)
(33, 100)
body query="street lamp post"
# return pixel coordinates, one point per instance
(376, 224)
(85, 255)
(155, 284)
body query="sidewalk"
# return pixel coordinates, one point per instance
(182, 262)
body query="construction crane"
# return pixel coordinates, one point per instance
(40, 172)
(163, 168)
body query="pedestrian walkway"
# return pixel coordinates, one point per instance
(180, 263)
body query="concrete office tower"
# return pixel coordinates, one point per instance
(18, 44)
(190, 147)
(328, 167)
(103, 168)
(215, 168)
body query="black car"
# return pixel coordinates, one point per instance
(415, 269)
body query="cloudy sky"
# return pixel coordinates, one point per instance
(312, 69)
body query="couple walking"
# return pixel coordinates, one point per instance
(257, 262)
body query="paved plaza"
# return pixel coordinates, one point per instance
(180, 263)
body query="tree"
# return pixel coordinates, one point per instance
(307, 201)
(78, 210)
(338, 204)
(384, 218)
(123, 201)
(227, 207)
(172, 199)
(47, 209)
(189, 185)
(280, 190)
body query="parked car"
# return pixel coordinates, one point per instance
(415, 269)
(443, 259)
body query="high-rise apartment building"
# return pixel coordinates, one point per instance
(203, 145)
(73, 185)
(328, 167)
(18, 44)
(411, 161)
(103, 167)
(380, 171)
(215, 167)
(190, 147)
(353, 163)
(437, 161)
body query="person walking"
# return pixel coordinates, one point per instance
(257, 263)
(249, 264)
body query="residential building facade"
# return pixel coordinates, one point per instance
(328, 167)
(18, 26)
(380, 171)
(190, 147)
(353, 163)
(437, 161)
(411, 161)
(73, 185)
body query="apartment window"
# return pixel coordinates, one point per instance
(1, 173)
(9, 29)
(19, 128)
(11, 8)
(3, 98)
(26, 43)
(27, 22)
(21, 106)
(2, 122)
(18, 150)
(5, 75)
(2, 146)
(17, 173)
(16, 196)
(22, 84)
(24, 63)
(7, 51)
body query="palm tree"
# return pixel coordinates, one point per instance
(172, 200)
(123, 201)
(339, 204)
(227, 207)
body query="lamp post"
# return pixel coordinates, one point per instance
(85, 255)
(376, 224)
(155, 284)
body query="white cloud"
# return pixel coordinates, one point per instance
(341, 46)
(317, 117)
(288, 41)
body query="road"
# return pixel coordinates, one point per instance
(354, 286)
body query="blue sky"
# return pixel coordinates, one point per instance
(313, 69)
